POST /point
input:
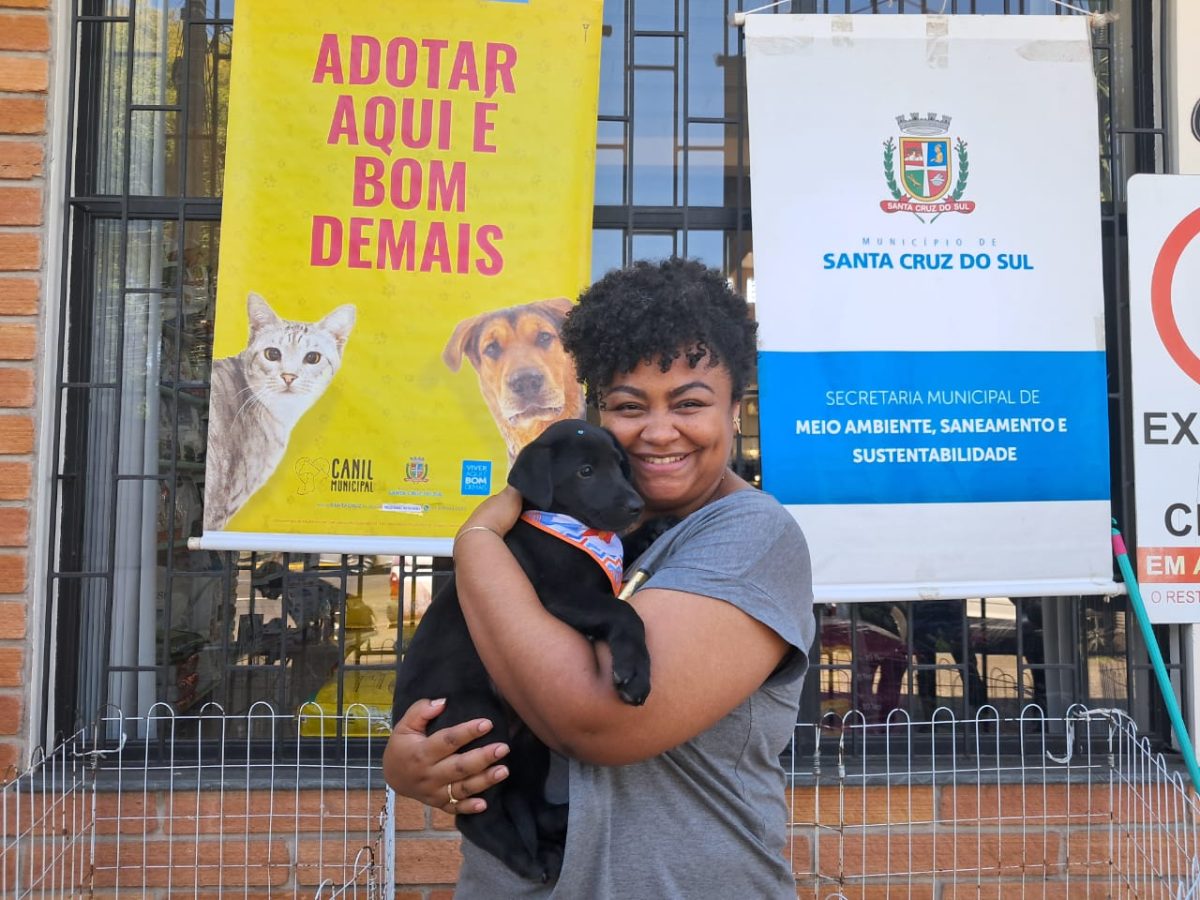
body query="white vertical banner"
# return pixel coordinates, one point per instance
(1164, 327)
(929, 289)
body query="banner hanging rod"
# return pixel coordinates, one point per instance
(1098, 19)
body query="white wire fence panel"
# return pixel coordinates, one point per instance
(362, 881)
(204, 805)
(1026, 806)
(45, 826)
(211, 805)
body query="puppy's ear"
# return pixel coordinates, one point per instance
(622, 456)
(531, 474)
(461, 341)
(556, 309)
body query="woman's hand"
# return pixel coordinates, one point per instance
(498, 513)
(429, 768)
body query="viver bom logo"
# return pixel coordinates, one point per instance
(933, 174)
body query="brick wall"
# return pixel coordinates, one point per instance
(915, 841)
(1063, 840)
(156, 843)
(24, 83)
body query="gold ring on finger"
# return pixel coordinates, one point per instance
(450, 794)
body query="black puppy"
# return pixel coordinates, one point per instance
(579, 470)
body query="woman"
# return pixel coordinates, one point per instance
(684, 796)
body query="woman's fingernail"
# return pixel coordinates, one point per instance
(484, 726)
(499, 772)
(438, 703)
(502, 751)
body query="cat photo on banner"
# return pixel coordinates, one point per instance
(260, 394)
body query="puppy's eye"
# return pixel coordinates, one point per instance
(545, 338)
(586, 471)
(492, 350)
(312, 357)
(273, 354)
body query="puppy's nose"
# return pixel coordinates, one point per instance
(526, 382)
(634, 506)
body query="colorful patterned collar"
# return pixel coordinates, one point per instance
(602, 546)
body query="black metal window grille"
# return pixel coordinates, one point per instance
(149, 89)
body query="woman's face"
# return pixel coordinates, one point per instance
(677, 427)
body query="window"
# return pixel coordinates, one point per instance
(137, 618)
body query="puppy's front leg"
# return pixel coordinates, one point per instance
(603, 617)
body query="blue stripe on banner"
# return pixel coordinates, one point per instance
(933, 427)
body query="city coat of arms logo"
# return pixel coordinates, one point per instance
(933, 170)
(416, 470)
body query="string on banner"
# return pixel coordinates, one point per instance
(1096, 19)
(1099, 19)
(739, 18)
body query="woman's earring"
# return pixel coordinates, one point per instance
(737, 424)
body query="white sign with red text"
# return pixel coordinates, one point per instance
(1164, 317)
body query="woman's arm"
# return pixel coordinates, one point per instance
(707, 656)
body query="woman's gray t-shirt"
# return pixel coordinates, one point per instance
(707, 818)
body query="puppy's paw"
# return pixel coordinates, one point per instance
(631, 676)
(550, 856)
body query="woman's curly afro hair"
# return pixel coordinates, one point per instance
(655, 313)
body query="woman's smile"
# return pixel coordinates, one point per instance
(662, 460)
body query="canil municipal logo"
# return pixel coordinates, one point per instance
(928, 184)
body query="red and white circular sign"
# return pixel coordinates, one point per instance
(1161, 295)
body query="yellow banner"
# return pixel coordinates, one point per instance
(407, 208)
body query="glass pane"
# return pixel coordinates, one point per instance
(205, 99)
(219, 9)
(706, 246)
(199, 255)
(1100, 63)
(746, 451)
(98, 360)
(713, 65)
(140, 357)
(133, 621)
(85, 472)
(881, 659)
(945, 663)
(182, 427)
(655, 53)
(85, 600)
(706, 165)
(190, 637)
(154, 162)
(327, 622)
(608, 246)
(1001, 653)
(158, 29)
(104, 62)
(654, 246)
(173, 65)
(654, 134)
(612, 61)
(831, 666)
(610, 163)
(1105, 646)
(655, 15)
